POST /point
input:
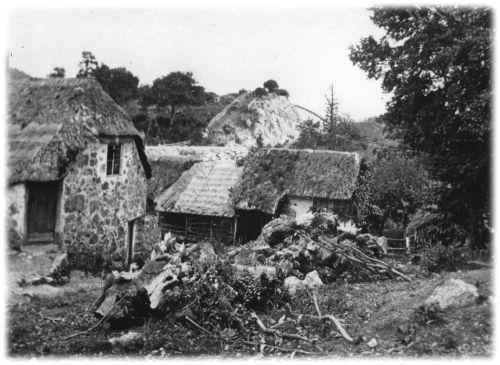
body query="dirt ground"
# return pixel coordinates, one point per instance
(387, 311)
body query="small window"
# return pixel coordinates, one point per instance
(113, 161)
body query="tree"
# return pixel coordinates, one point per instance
(87, 65)
(58, 72)
(175, 89)
(119, 83)
(436, 62)
(271, 85)
(332, 116)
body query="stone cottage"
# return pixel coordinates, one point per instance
(77, 167)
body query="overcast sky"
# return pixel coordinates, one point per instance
(304, 50)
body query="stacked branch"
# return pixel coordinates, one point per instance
(355, 255)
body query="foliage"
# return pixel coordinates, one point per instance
(436, 62)
(260, 92)
(87, 65)
(341, 136)
(399, 187)
(176, 89)
(58, 72)
(119, 83)
(438, 257)
(271, 85)
(282, 92)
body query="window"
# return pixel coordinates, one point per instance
(113, 161)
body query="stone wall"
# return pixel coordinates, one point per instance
(96, 208)
(16, 214)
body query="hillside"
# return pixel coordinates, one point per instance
(270, 117)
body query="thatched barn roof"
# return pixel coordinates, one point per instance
(269, 174)
(203, 190)
(52, 120)
(165, 171)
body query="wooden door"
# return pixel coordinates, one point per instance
(42, 209)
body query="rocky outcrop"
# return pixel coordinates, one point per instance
(270, 117)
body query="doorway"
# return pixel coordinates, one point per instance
(43, 199)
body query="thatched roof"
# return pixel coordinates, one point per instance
(52, 120)
(165, 171)
(269, 174)
(203, 189)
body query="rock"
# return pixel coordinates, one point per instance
(453, 292)
(292, 284)
(270, 117)
(256, 271)
(372, 343)
(126, 340)
(312, 280)
(304, 220)
(382, 243)
(277, 230)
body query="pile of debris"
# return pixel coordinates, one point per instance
(290, 254)
(312, 249)
(222, 294)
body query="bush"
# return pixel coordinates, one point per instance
(260, 92)
(271, 85)
(443, 258)
(282, 92)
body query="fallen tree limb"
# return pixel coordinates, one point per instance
(200, 327)
(298, 351)
(277, 332)
(335, 321)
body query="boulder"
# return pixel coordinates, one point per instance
(453, 292)
(277, 230)
(312, 280)
(293, 284)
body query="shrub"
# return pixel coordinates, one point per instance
(439, 257)
(260, 92)
(282, 92)
(271, 85)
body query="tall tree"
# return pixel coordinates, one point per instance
(58, 72)
(332, 116)
(87, 65)
(436, 62)
(175, 89)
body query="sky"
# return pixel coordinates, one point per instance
(227, 49)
